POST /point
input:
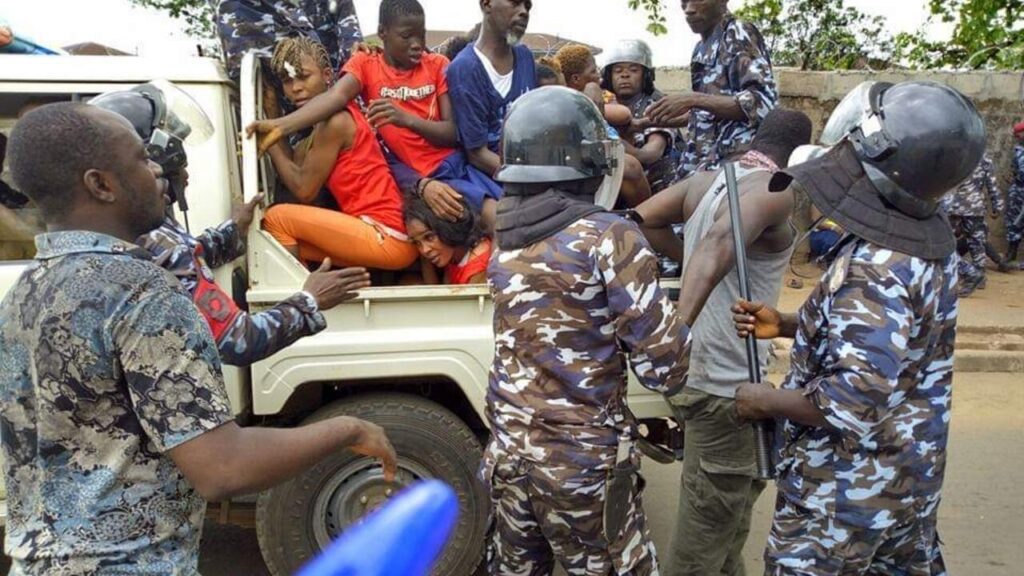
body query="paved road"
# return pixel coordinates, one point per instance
(981, 518)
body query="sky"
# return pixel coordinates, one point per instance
(147, 32)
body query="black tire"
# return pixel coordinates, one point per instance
(430, 441)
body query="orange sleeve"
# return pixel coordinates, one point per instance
(440, 76)
(358, 66)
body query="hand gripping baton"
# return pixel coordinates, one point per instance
(762, 436)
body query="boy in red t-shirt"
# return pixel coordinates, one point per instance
(405, 90)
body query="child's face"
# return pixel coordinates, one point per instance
(307, 82)
(430, 246)
(404, 41)
(587, 76)
(627, 80)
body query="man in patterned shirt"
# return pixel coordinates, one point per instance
(733, 87)
(864, 411)
(116, 424)
(258, 25)
(966, 208)
(242, 338)
(575, 296)
(1015, 197)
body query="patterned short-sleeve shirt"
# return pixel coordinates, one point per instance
(874, 353)
(105, 365)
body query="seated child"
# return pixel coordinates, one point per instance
(406, 92)
(580, 71)
(451, 252)
(629, 74)
(343, 154)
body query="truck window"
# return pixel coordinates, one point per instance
(19, 218)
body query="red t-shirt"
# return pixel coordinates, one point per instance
(463, 272)
(361, 181)
(417, 91)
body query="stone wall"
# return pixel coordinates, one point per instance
(998, 95)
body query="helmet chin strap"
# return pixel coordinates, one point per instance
(608, 193)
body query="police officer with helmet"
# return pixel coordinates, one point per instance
(166, 119)
(865, 407)
(576, 295)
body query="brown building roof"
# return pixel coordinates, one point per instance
(93, 49)
(540, 44)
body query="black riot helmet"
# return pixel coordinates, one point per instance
(165, 117)
(556, 134)
(630, 52)
(916, 140)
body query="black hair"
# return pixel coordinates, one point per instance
(454, 45)
(52, 147)
(464, 233)
(545, 72)
(392, 10)
(781, 132)
(646, 85)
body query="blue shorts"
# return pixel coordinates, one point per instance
(474, 185)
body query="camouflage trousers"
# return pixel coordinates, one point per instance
(719, 487)
(258, 25)
(803, 543)
(1014, 206)
(973, 231)
(543, 514)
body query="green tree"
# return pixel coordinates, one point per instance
(820, 34)
(197, 15)
(655, 17)
(987, 34)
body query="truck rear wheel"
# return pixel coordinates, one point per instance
(297, 519)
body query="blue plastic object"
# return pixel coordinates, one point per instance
(402, 538)
(23, 45)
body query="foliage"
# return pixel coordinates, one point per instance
(819, 34)
(655, 17)
(987, 34)
(198, 16)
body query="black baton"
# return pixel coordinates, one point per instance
(762, 437)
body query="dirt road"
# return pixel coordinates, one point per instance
(981, 518)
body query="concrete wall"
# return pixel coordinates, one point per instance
(998, 95)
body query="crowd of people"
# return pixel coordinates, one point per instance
(475, 163)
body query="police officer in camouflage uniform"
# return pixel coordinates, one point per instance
(242, 338)
(966, 208)
(733, 87)
(257, 25)
(1015, 197)
(864, 411)
(576, 295)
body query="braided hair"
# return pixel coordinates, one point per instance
(288, 55)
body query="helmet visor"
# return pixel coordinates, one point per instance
(185, 117)
(853, 112)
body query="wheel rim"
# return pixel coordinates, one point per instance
(355, 490)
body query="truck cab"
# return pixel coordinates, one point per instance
(414, 359)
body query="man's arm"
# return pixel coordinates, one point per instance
(222, 244)
(484, 160)
(173, 376)
(992, 187)
(715, 255)
(305, 180)
(869, 326)
(659, 213)
(646, 324)
(471, 121)
(652, 150)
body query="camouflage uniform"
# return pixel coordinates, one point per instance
(1015, 198)
(661, 173)
(874, 353)
(569, 309)
(105, 366)
(966, 206)
(257, 25)
(733, 61)
(242, 338)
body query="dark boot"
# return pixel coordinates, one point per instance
(1011, 252)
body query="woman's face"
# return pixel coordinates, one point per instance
(430, 246)
(305, 83)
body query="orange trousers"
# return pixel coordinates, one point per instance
(348, 241)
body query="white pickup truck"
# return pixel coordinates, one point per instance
(414, 359)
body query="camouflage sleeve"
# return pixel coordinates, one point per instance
(994, 197)
(170, 364)
(222, 244)
(869, 327)
(253, 337)
(646, 322)
(751, 70)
